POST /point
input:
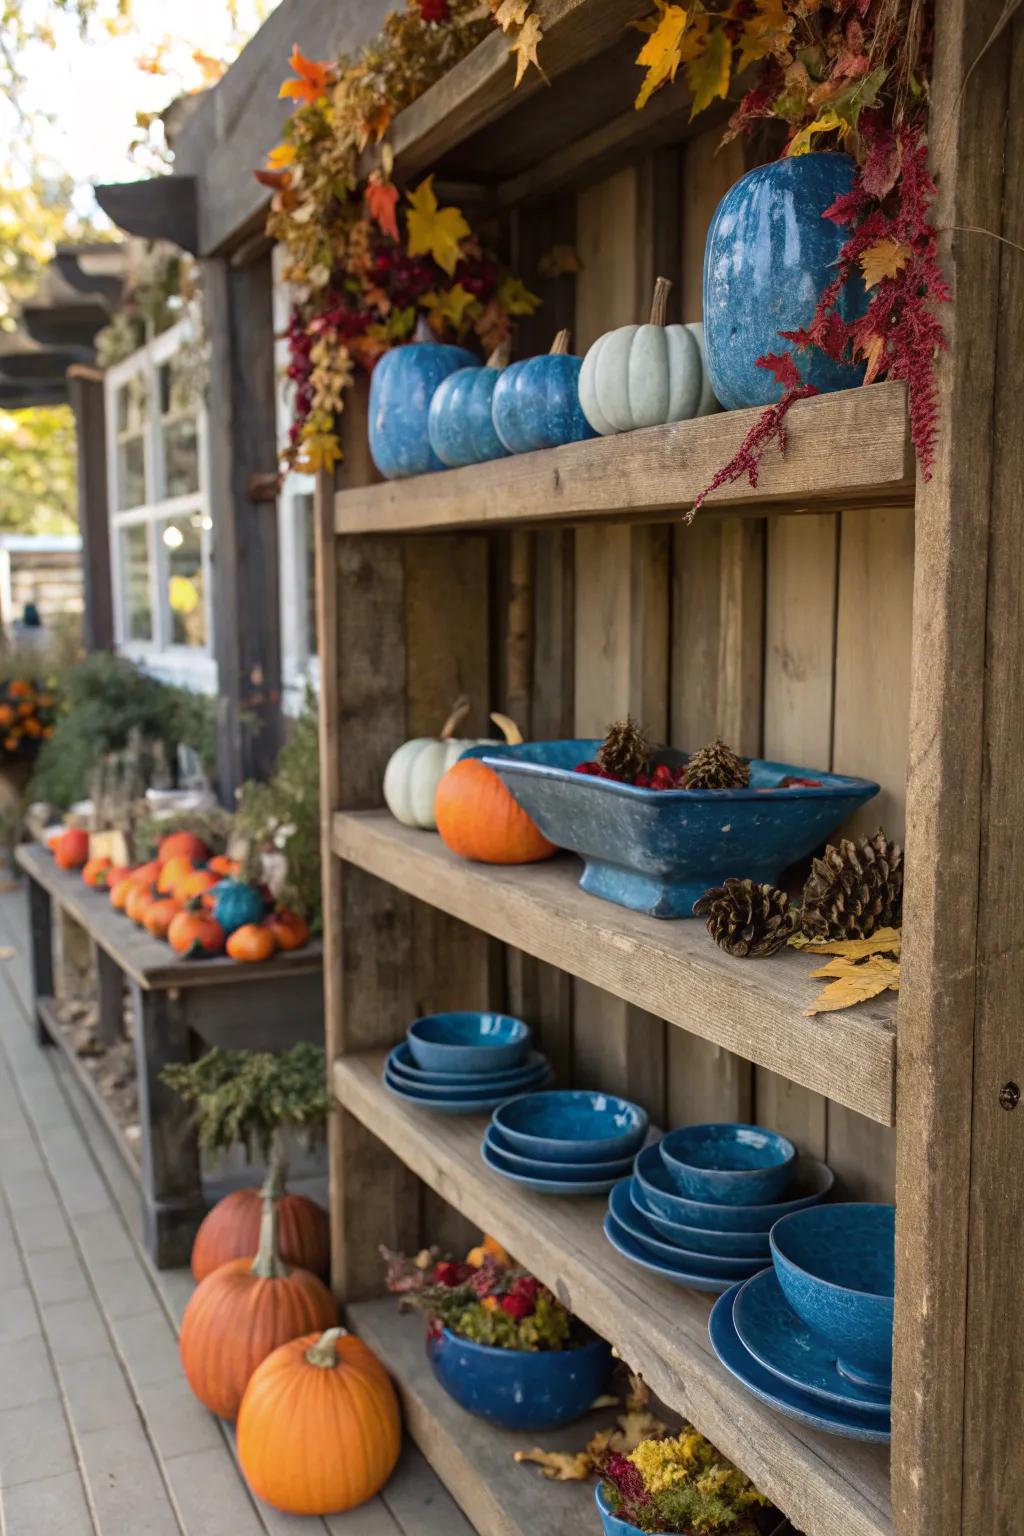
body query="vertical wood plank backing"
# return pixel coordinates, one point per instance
(608, 287)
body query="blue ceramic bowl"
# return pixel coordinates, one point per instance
(727, 1245)
(610, 1523)
(836, 1266)
(658, 851)
(401, 1064)
(464, 1106)
(541, 1169)
(520, 1389)
(728, 1164)
(569, 1185)
(469, 1042)
(638, 1227)
(572, 1125)
(811, 1183)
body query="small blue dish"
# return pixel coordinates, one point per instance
(631, 1222)
(611, 1524)
(679, 1274)
(544, 1170)
(468, 1042)
(521, 1389)
(852, 1423)
(572, 1125)
(440, 1106)
(730, 1245)
(498, 1163)
(401, 1063)
(811, 1183)
(728, 1164)
(472, 1094)
(771, 1331)
(837, 1269)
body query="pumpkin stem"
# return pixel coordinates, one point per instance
(323, 1352)
(423, 331)
(460, 709)
(277, 1169)
(501, 356)
(560, 345)
(659, 303)
(267, 1264)
(508, 728)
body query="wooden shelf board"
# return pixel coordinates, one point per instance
(474, 1459)
(823, 1483)
(46, 1007)
(845, 449)
(671, 969)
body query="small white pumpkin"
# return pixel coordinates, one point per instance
(645, 375)
(416, 768)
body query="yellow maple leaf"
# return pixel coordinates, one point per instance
(280, 157)
(660, 55)
(766, 32)
(559, 1466)
(886, 258)
(884, 941)
(826, 122)
(524, 46)
(514, 296)
(511, 13)
(320, 451)
(434, 231)
(452, 305)
(854, 983)
(708, 74)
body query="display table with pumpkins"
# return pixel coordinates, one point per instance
(178, 1004)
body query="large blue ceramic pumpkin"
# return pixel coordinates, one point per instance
(401, 389)
(537, 403)
(459, 423)
(235, 904)
(769, 254)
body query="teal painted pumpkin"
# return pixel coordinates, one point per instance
(537, 404)
(401, 389)
(235, 904)
(459, 424)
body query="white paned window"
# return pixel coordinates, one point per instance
(296, 538)
(160, 523)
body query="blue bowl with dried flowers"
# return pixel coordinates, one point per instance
(521, 1389)
(611, 1524)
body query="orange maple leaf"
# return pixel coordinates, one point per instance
(381, 202)
(886, 258)
(280, 157)
(873, 350)
(314, 78)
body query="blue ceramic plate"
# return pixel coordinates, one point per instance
(470, 1087)
(439, 1106)
(729, 1163)
(771, 1331)
(470, 1041)
(630, 1249)
(401, 1063)
(495, 1160)
(850, 1422)
(811, 1183)
(542, 1170)
(631, 1222)
(729, 1245)
(572, 1125)
(658, 851)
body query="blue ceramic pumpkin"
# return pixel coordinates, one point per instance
(235, 904)
(537, 403)
(769, 254)
(401, 389)
(459, 423)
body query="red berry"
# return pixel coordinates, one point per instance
(661, 778)
(449, 1274)
(526, 1285)
(642, 781)
(792, 781)
(516, 1306)
(591, 768)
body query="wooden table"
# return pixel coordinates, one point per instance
(177, 1005)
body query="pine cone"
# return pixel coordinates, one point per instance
(716, 767)
(625, 751)
(854, 889)
(746, 919)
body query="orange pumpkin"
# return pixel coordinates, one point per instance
(172, 873)
(183, 845)
(196, 884)
(479, 819)
(146, 874)
(319, 1430)
(115, 874)
(140, 899)
(241, 1313)
(251, 942)
(120, 892)
(231, 1231)
(95, 871)
(289, 929)
(71, 849)
(225, 868)
(194, 933)
(159, 916)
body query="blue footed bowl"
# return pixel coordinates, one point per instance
(468, 1042)
(610, 1523)
(728, 1164)
(517, 1388)
(811, 1183)
(769, 254)
(658, 851)
(571, 1125)
(836, 1265)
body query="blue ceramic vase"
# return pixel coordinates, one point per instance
(769, 254)
(519, 1388)
(537, 403)
(401, 389)
(460, 426)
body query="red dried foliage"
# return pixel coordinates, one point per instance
(770, 427)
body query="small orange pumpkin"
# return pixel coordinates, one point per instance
(71, 849)
(241, 1313)
(478, 818)
(193, 933)
(140, 899)
(231, 1231)
(290, 930)
(319, 1430)
(196, 884)
(251, 942)
(183, 845)
(159, 916)
(172, 873)
(146, 874)
(120, 892)
(225, 868)
(95, 871)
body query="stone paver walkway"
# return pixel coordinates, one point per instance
(99, 1433)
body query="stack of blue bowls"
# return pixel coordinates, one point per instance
(464, 1063)
(567, 1142)
(700, 1204)
(812, 1336)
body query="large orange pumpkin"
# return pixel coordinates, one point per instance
(251, 942)
(140, 899)
(194, 934)
(95, 872)
(231, 1231)
(319, 1430)
(183, 845)
(159, 916)
(478, 818)
(289, 929)
(71, 849)
(172, 873)
(241, 1313)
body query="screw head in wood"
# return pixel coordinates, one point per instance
(1009, 1096)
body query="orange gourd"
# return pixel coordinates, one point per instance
(231, 1231)
(183, 845)
(95, 872)
(120, 892)
(319, 1430)
(241, 1313)
(71, 849)
(140, 899)
(290, 930)
(478, 818)
(146, 874)
(251, 942)
(172, 873)
(194, 933)
(225, 868)
(159, 916)
(196, 884)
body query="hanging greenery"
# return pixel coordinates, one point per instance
(251, 1097)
